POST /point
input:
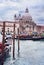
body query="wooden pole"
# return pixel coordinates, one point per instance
(3, 32)
(14, 42)
(3, 41)
(18, 42)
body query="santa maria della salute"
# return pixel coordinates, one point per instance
(26, 24)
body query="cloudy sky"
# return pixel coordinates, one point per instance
(10, 7)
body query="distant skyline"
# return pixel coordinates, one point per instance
(8, 8)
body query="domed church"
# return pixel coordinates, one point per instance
(26, 23)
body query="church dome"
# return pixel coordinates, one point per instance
(26, 15)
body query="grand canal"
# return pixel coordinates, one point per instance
(31, 53)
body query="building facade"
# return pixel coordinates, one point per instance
(25, 23)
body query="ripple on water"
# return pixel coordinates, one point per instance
(31, 53)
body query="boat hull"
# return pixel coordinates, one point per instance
(30, 38)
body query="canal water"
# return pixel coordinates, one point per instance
(31, 53)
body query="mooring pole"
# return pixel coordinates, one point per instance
(18, 42)
(14, 42)
(3, 41)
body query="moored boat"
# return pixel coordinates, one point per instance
(37, 38)
(25, 37)
(29, 37)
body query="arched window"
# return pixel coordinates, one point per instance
(27, 21)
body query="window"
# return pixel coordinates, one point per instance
(27, 21)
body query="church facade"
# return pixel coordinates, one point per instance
(27, 25)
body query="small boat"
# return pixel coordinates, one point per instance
(29, 37)
(25, 37)
(38, 38)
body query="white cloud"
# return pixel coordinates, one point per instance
(2, 6)
(36, 13)
(8, 3)
(0, 19)
(9, 15)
